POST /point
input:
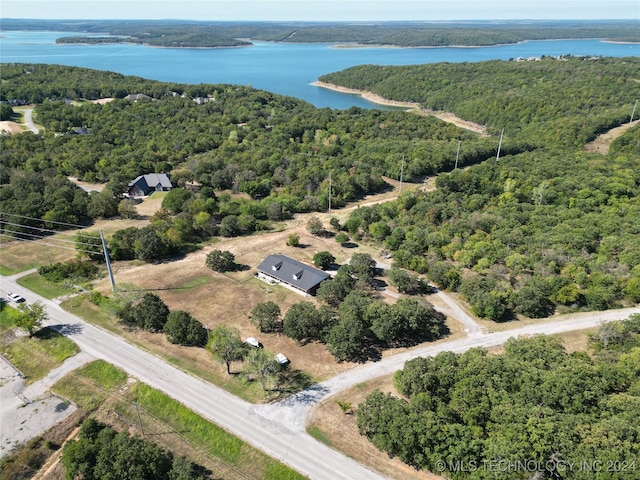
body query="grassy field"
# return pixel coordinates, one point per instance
(42, 287)
(36, 356)
(8, 316)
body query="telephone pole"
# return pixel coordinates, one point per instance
(499, 145)
(401, 172)
(106, 257)
(329, 193)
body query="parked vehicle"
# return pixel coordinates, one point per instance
(14, 297)
(281, 359)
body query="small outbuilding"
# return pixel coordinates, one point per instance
(149, 183)
(295, 275)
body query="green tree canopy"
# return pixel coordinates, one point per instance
(31, 316)
(226, 346)
(221, 261)
(183, 329)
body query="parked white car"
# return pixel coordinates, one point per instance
(14, 297)
(281, 359)
(253, 342)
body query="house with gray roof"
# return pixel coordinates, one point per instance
(295, 275)
(146, 184)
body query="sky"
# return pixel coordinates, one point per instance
(322, 10)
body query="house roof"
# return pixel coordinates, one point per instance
(291, 271)
(151, 180)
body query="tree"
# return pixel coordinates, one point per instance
(31, 316)
(149, 245)
(226, 346)
(127, 208)
(183, 329)
(333, 290)
(6, 112)
(150, 313)
(262, 366)
(315, 227)
(229, 226)
(175, 200)
(303, 322)
(221, 261)
(323, 260)
(266, 316)
(363, 266)
(342, 238)
(406, 282)
(293, 240)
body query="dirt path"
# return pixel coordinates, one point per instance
(414, 106)
(603, 142)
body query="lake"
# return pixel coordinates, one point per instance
(287, 69)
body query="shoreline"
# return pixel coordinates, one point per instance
(409, 106)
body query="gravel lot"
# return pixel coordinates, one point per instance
(26, 412)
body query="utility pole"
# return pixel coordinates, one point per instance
(499, 145)
(106, 257)
(401, 172)
(457, 155)
(139, 418)
(329, 193)
(634, 111)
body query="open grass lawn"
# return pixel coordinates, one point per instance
(8, 316)
(36, 356)
(41, 286)
(91, 384)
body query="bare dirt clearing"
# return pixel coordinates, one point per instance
(602, 143)
(11, 127)
(412, 106)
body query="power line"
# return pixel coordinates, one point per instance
(49, 244)
(45, 221)
(46, 236)
(41, 229)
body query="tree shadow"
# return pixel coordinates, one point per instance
(60, 329)
(349, 245)
(294, 381)
(306, 396)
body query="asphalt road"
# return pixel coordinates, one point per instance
(28, 120)
(277, 429)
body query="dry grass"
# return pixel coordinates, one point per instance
(11, 127)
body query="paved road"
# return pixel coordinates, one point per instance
(28, 120)
(276, 429)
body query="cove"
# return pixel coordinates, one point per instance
(283, 68)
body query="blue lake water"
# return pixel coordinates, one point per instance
(287, 69)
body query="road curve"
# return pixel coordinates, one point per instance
(277, 429)
(28, 120)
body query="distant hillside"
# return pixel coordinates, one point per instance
(568, 100)
(174, 33)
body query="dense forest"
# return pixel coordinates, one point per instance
(546, 226)
(565, 101)
(530, 232)
(175, 33)
(278, 150)
(534, 411)
(525, 234)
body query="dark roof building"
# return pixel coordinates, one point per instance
(146, 184)
(291, 273)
